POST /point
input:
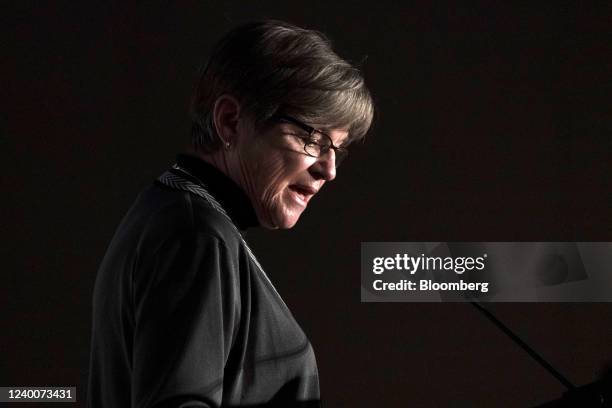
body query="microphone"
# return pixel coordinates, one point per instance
(597, 394)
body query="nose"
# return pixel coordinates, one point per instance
(325, 166)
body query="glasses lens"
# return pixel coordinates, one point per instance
(313, 149)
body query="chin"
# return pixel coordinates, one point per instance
(286, 224)
(281, 220)
(280, 223)
(279, 216)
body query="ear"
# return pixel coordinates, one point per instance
(226, 114)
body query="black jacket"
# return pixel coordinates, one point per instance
(183, 316)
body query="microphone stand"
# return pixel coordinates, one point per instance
(597, 394)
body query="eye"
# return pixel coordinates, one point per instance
(316, 138)
(312, 141)
(304, 137)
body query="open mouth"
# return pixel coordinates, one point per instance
(303, 193)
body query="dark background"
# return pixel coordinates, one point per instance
(493, 123)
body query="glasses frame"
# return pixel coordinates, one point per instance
(340, 152)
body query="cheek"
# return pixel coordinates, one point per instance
(276, 172)
(271, 180)
(269, 171)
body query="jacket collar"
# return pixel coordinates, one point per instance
(231, 197)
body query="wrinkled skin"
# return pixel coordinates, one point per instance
(271, 166)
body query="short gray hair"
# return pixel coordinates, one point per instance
(273, 67)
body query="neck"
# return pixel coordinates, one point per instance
(230, 164)
(221, 160)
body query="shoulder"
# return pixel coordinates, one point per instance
(182, 214)
(184, 242)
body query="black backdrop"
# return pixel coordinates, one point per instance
(493, 123)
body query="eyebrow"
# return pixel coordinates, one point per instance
(344, 142)
(308, 129)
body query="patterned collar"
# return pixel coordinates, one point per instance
(231, 197)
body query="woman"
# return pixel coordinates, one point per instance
(184, 315)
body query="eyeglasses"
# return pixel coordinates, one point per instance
(317, 143)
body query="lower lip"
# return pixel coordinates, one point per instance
(300, 198)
